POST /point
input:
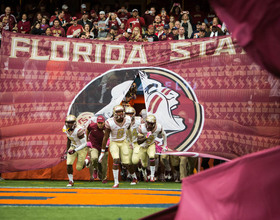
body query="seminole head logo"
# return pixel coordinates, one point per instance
(167, 96)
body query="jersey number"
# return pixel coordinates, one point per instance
(120, 133)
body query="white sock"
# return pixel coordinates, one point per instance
(134, 176)
(70, 177)
(153, 169)
(116, 176)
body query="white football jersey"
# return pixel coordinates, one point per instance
(134, 128)
(151, 139)
(73, 136)
(118, 130)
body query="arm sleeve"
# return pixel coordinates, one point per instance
(164, 138)
(83, 144)
(119, 21)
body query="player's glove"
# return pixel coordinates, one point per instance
(164, 148)
(89, 144)
(71, 151)
(148, 134)
(101, 155)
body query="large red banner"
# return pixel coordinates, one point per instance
(208, 94)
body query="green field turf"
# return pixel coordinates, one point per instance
(77, 213)
(86, 184)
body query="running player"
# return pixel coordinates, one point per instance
(147, 133)
(76, 147)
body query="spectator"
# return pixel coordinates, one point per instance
(150, 35)
(172, 20)
(114, 32)
(202, 34)
(164, 17)
(210, 15)
(126, 35)
(57, 30)
(157, 22)
(177, 24)
(113, 20)
(44, 24)
(88, 32)
(121, 29)
(215, 21)
(101, 25)
(136, 35)
(135, 21)
(36, 30)
(174, 32)
(61, 19)
(171, 25)
(37, 19)
(43, 11)
(216, 31)
(53, 17)
(48, 32)
(11, 21)
(123, 15)
(205, 28)
(93, 17)
(85, 20)
(75, 29)
(79, 15)
(195, 34)
(159, 31)
(24, 25)
(149, 16)
(182, 35)
(197, 15)
(5, 24)
(175, 11)
(67, 16)
(186, 23)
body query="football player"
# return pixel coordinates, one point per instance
(147, 133)
(116, 127)
(76, 147)
(135, 123)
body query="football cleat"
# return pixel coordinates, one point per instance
(153, 179)
(134, 181)
(116, 185)
(87, 161)
(145, 177)
(104, 181)
(95, 174)
(70, 184)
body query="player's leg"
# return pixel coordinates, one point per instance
(103, 168)
(93, 163)
(144, 161)
(69, 162)
(175, 162)
(82, 154)
(151, 151)
(126, 160)
(115, 152)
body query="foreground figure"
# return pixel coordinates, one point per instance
(76, 147)
(147, 133)
(117, 127)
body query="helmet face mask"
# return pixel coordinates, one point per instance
(70, 122)
(119, 112)
(150, 122)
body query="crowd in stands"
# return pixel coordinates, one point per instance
(115, 25)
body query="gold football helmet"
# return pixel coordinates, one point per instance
(70, 122)
(150, 122)
(130, 111)
(118, 112)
